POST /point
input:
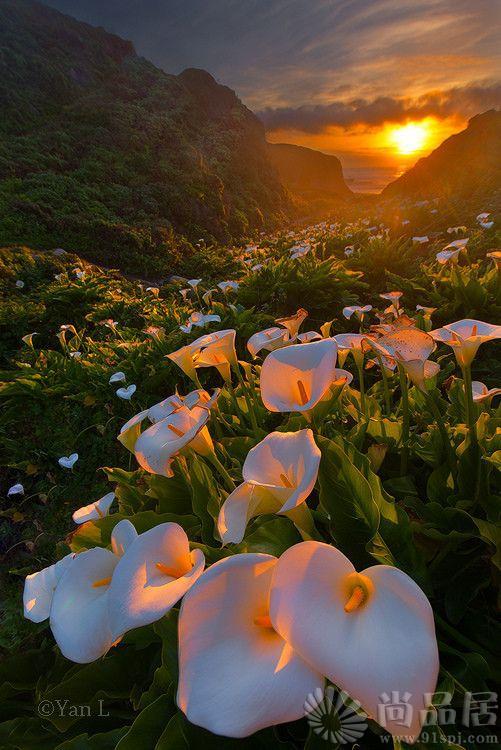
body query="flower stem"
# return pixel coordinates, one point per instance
(469, 404)
(250, 408)
(216, 463)
(405, 421)
(387, 401)
(446, 441)
(361, 382)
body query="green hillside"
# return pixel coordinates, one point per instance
(102, 153)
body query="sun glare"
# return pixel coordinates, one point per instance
(410, 138)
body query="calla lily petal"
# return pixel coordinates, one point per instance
(154, 573)
(482, 393)
(39, 589)
(297, 377)
(96, 510)
(79, 617)
(122, 536)
(371, 633)
(236, 674)
(245, 502)
(157, 446)
(269, 339)
(465, 337)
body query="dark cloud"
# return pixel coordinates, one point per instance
(285, 53)
(464, 101)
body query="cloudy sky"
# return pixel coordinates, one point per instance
(333, 74)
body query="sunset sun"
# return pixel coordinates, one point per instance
(410, 138)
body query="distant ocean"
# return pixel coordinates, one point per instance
(370, 179)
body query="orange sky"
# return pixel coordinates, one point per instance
(378, 146)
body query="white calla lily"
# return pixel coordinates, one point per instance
(465, 337)
(371, 633)
(279, 474)
(156, 571)
(126, 393)
(357, 310)
(199, 320)
(132, 429)
(228, 286)
(410, 348)
(94, 511)
(39, 589)
(293, 322)
(80, 614)
(352, 343)
(211, 350)
(269, 339)
(236, 674)
(482, 393)
(156, 447)
(68, 462)
(445, 256)
(297, 377)
(16, 489)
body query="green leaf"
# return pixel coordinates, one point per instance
(204, 497)
(100, 741)
(148, 726)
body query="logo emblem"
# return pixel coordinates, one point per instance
(334, 716)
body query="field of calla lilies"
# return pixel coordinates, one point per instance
(258, 508)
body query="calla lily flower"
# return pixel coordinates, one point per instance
(228, 286)
(156, 332)
(427, 312)
(410, 348)
(299, 251)
(297, 377)
(293, 322)
(279, 474)
(482, 393)
(371, 633)
(308, 336)
(211, 350)
(394, 298)
(199, 319)
(16, 489)
(185, 427)
(269, 339)
(421, 240)
(496, 257)
(194, 283)
(351, 342)
(94, 511)
(126, 393)
(236, 674)
(465, 337)
(19, 284)
(28, 339)
(458, 243)
(444, 256)
(356, 310)
(68, 462)
(132, 429)
(156, 571)
(117, 377)
(80, 614)
(39, 589)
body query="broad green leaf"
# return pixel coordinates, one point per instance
(148, 726)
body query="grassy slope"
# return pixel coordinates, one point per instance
(103, 153)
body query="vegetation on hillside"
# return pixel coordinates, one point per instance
(409, 475)
(104, 154)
